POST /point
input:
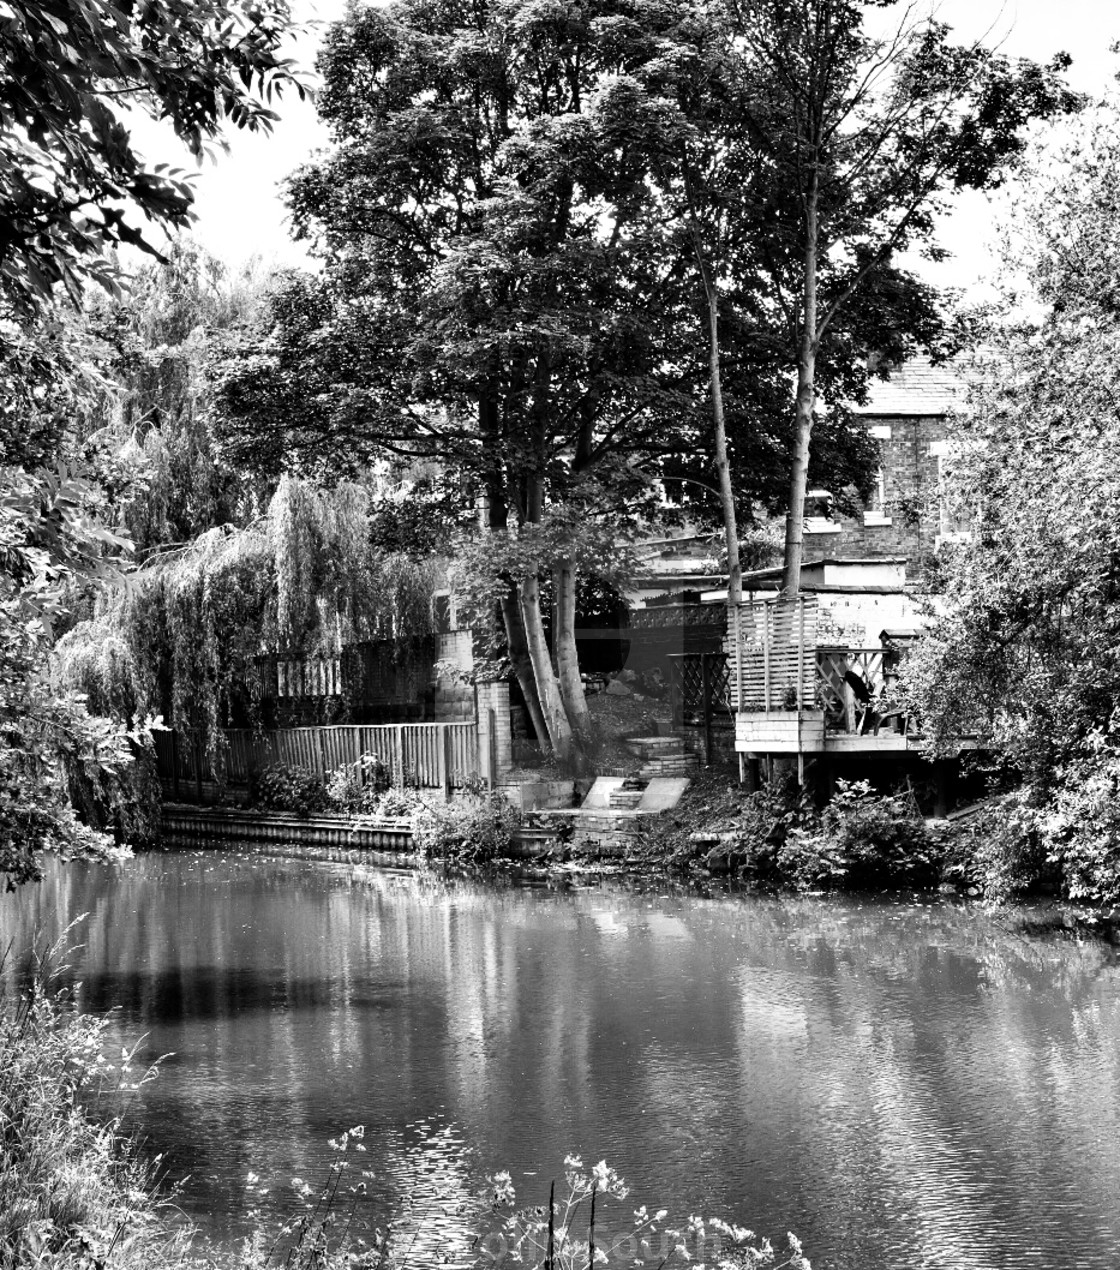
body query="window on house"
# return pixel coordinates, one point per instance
(819, 513)
(954, 522)
(876, 512)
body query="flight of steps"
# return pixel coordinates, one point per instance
(663, 756)
(628, 796)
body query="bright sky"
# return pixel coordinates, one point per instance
(241, 213)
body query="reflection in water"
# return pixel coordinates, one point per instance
(901, 1084)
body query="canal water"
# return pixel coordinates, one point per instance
(900, 1083)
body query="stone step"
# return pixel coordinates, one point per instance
(623, 799)
(651, 747)
(684, 764)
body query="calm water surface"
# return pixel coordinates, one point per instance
(903, 1085)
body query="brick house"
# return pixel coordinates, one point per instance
(903, 518)
(813, 676)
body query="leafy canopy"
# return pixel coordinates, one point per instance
(71, 177)
(1028, 655)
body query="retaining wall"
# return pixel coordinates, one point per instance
(186, 826)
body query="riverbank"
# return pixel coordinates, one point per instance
(770, 841)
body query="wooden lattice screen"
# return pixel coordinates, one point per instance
(700, 687)
(776, 655)
(835, 663)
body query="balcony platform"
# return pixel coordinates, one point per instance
(790, 732)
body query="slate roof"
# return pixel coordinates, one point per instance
(915, 388)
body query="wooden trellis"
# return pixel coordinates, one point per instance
(700, 686)
(834, 663)
(774, 663)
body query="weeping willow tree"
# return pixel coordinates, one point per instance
(184, 639)
(153, 428)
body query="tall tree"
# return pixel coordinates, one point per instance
(483, 254)
(865, 139)
(697, 111)
(154, 423)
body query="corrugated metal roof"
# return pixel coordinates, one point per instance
(915, 388)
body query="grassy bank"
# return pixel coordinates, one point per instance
(73, 1192)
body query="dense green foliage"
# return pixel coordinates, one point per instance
(51, 542)
(1026, 657)
(70, 174)
(185, 638)
(70, 181)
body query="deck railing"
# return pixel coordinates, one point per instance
(776, 666)
(421, 755)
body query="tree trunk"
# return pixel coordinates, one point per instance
(723, 464)
(518, 647)
(803, 416)
(548, 690)
(719, 426)
(494, 515)
(564, 647)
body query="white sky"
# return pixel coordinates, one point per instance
(241, 214)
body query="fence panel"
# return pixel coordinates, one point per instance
(774, 664)
(425, 755)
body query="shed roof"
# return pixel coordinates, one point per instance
(917, 387)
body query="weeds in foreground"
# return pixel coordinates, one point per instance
(562, 1237)
(72, 1190)
(75, 1195)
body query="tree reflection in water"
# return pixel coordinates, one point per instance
(901, 1083)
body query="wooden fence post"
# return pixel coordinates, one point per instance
(706, 695)
(444, 746)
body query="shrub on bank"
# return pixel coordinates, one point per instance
(863, 838)
(776, 837)
(291, 789)
(358, 787)
(475, 826)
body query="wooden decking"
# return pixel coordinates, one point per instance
(794, 693)
(807, 732)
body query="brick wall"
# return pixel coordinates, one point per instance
(495, 737)
(905, 521)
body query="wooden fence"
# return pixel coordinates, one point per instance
(774, 661)
(421, 755)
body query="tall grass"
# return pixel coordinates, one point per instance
(73, 1192)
